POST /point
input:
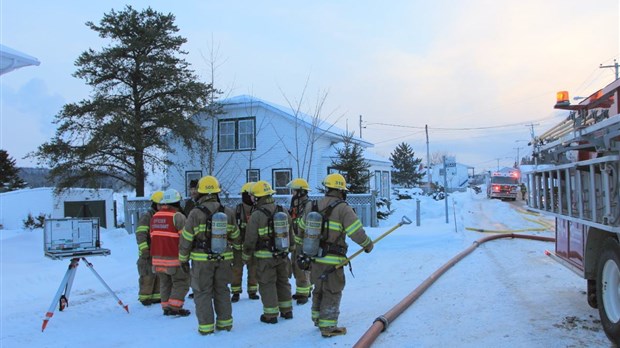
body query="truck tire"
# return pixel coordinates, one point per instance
(608, 286)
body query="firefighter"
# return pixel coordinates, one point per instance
(190, 203)
(268, 235)
(205, 239)
(242, 214)
(148, 281)
(336, 220)
(166, 225)
(299, 200)
(523, 191)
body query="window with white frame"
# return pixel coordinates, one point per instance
(237, 134)
(189, 176)
(281, 177)
(252, 175)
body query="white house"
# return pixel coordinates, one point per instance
(458, 175)
(258, 140)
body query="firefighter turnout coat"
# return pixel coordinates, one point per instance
(148, 281)
(342, 222)
(242, 214)
(166, 226)
(273, 267)
(210, 273)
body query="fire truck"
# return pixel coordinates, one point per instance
(576, 179)
(503, 184)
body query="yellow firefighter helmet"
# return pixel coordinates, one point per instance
(208, 184)
(335, 181)
(247, 187)
(262, 189)
(299, 184)
(157, 196)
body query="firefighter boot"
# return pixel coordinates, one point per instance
(268, 320)
(302, 299)
(181, 312)
(234, 298)
(253, 296)
(330, 331)
(287, 315)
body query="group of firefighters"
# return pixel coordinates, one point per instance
(307, 240)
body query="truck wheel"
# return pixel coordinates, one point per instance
(608, 289)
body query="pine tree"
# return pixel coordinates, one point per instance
(144, 98)
(405, 166)
(351, 163)
(9, 174)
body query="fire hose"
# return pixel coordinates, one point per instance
(382, 322)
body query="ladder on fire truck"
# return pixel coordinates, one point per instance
(578, 163)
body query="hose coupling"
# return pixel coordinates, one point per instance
(383, 320)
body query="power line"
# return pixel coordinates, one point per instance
(526, 123)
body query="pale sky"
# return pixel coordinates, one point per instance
(479, 73)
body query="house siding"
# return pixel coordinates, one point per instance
(275, 149)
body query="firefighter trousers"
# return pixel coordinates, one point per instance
(326, 295)
(302, 278)
(273, 285)
(210, 281)
(237, 274)
(148, 281)
(174, 285)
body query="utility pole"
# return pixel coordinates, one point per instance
(517, 162)
(429, 176)
(360, 126)
(615, 66)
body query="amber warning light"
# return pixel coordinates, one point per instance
(562, 98)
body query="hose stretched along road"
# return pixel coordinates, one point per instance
(382, 322)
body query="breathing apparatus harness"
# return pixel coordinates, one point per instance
(205, 245)
(304, 260)
(272, 243)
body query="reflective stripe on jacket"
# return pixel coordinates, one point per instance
(195, 229)
(165, 226)
(257, 230)
(342, 222)
(142, 231)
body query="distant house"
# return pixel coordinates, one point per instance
(258, 140)
(458, 176)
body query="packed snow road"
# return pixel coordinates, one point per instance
(506, 293)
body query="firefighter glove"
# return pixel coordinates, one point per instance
(368, 248)
(185, 267)
(303, 262)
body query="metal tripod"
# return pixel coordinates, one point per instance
(62, 295)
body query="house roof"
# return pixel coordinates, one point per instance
(306, 120)
(332, 152)
(11, 59)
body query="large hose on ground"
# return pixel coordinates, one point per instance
(382, 322)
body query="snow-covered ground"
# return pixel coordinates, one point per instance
(507, 293)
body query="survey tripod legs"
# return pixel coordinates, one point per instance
(64, 290)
